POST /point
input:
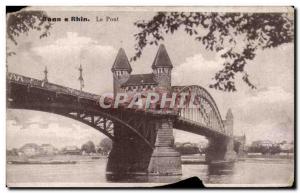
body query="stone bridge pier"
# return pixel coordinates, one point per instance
(131, 155)
(164, 159)
(220, 149)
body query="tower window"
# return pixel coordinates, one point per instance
(159, 70)
(121, 72)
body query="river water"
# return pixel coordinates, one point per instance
(249, 172)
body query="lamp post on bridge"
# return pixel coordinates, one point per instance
(81, 81)
(45, 74)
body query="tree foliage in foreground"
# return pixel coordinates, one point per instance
(236, 36)
(22, 22)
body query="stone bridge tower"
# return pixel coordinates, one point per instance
(121, 70)
(228, 123)
(230, 154)
(128, 153)
(162, 68)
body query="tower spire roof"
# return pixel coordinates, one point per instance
(162, 58)
(229, 114)
(121, 62)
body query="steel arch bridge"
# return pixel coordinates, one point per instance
(32, 94)
(84, 107)
(204, 119)
(142, 134)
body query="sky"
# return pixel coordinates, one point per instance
(263, 113)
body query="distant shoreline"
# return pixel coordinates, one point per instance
(52, 159)
(200, 159)
(41, 162)
(185, 159)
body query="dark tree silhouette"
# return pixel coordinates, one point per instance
(88, 147)
(221, 32)
(106, 145)
(22, 22)
(187, 148)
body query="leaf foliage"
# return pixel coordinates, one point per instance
(23, 21)
(236, 36)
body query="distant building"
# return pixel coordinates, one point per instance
(48, 149)
(286, 147)
(71, 150)
(262, 143)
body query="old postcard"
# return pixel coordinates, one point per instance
(150, 96)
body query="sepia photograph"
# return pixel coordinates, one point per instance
(150, 96)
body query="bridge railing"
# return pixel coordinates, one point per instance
(32, 82)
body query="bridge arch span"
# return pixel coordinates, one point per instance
(208, 115)
(101, 121)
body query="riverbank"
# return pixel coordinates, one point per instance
(270, 156)
(193, 159)
(200, 158)
(185, 159)
(42, 162)
(52, 159)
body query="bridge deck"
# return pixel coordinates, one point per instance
(54, 89)
(196, 128)
(67, 91)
